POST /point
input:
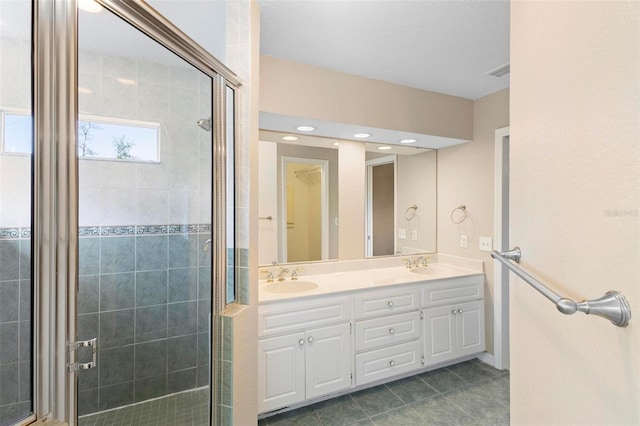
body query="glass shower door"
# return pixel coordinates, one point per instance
(145, 172)
(16, 161)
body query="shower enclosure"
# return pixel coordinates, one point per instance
(134, 248)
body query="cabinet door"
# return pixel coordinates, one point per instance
(280, 371)
(328, 360)
(439, 334)
(470, 328)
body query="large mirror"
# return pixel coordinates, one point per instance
(299, 195)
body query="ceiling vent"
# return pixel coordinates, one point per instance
(500, 71)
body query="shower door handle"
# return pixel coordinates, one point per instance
(93, 344)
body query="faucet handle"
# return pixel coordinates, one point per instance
(269, 275)
(294, 273)
(408, 263)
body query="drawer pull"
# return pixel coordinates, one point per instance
(459, 311)
(391, 331)
(390, 304)
(392, 363)
(310, 339)
(454, 312)
(301, 342)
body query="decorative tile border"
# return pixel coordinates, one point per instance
(14, 233)
(113, 231)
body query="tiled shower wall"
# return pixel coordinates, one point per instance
(15, 323)
(145, 293)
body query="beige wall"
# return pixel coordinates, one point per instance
(351, 200)
(465, 177)
(345, 98)
(575, 196)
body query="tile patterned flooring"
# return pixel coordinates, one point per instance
(182, 409)
(470, 393)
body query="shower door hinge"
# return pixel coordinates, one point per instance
(93, 343)
(422, 360)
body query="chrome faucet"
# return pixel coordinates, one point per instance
(281, 273)
(294, 273)
(421, 261)
(269, 275)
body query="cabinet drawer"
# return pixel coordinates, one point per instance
(453, 291)
(297, 315)
(386, 302)
(387, 362)
(375, 333)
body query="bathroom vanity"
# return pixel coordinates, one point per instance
(348, 330)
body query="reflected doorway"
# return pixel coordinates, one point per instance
(381, 194)
(305, 209)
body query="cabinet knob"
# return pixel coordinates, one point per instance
(453, 312)
(392, 363)
(391, 331)
(389, 303)
(301, 342)
(459, 311)
(310, 339)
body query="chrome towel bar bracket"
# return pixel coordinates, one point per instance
(612, 306)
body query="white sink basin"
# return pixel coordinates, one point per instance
(290, 287)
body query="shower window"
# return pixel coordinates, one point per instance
(98, 137)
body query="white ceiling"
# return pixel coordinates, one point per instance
(442, 46)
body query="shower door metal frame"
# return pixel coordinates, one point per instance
(55, 238)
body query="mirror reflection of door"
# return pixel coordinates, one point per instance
(381, 206)
(305, 209)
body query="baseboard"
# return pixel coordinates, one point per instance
(486, 357)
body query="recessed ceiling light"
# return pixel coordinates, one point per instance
(384, 148)
(90, 6)
(306, 128)
(290, 138)
(126, 81)
(362, 135)
(408, 141)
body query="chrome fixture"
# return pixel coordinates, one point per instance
(206, 245)
(204, 123)
(294, 273)
(265, 217)
(421, 261)
(612, 306)
(269, 275)
(281, 273)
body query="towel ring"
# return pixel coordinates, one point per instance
(410, 213)
(459, 217)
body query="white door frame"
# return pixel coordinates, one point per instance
(368, 238)
(324, 194)
(500, 273)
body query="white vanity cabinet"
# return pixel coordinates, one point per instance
(318, 345)
(453, 319)
(387, 333)
(308, 360)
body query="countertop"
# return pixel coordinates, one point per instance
(342, 282)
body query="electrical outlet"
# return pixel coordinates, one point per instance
(486, 243)
(402, 233)
(464, 241)
(414, 235)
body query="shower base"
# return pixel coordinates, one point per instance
(189, 408)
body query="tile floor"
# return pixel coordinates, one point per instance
(182, 409)
(470, 393)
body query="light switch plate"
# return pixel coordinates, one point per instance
(486, 243)
(414, 235)
(402, 233)
(464, 241)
